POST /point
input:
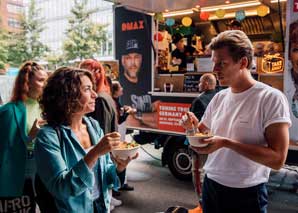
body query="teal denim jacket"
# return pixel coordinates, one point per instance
(65, 173)
(13, 151)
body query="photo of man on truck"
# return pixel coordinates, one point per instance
(132, 61)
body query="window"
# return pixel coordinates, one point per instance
(12, 8)
(13, 23)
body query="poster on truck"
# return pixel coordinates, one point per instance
(133, 50)
(291, 75)
(133, 34)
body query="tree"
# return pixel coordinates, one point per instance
(84, 38)
(25, 44)
(3, 47)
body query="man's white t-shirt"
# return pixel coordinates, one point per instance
(242, 117)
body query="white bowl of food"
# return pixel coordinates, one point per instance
(126, 150)
(196, 139)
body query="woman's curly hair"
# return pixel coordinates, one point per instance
(60, 98)
(22, 83)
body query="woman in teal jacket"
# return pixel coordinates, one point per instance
(18, 128)
(75, 167)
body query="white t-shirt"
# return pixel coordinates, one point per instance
(242, 117)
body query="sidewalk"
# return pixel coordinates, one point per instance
(285, 179)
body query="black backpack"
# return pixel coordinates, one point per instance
(44, 198)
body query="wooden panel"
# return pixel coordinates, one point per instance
(177, 81)
(275, 81)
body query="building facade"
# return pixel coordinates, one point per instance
(56, 13)
(10, 12)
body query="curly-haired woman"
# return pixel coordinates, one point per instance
(19, 121)
(75, 167)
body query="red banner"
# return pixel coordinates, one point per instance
(169, 115)
(295, 6)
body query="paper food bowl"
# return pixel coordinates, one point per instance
(125, 150)
(195, 140)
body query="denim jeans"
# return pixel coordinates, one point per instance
(221, 199)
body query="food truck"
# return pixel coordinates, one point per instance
(162, 91)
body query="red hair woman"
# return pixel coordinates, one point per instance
(99, 73)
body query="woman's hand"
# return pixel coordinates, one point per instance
(35, 128)
(214, 143)
(108, 143)
(122, 164)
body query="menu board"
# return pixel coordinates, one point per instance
(191, 83)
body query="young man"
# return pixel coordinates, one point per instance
(250, 123)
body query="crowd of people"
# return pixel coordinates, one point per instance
(62, 129)
(56, 151)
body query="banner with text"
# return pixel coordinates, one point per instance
(169, 115)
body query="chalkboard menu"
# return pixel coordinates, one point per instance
(191, 83)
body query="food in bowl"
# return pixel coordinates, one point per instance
(195, 140)
(126, 149)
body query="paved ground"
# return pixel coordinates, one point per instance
(156, 189)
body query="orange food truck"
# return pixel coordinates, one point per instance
(163, 91)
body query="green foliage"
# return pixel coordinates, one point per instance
(84, 38)
(3, 47)
(2, 65)
(25, 44)
(55, 61)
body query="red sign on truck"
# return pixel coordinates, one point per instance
(169, 115)
(295, 6)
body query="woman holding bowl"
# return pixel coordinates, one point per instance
(72, 153)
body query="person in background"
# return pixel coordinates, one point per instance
(122, 113)
(234, 25)
(250, 123)
(293, 56)
(180, 54)
(19, 123)
(122, 110)
(72, 152)
(207, 89)
(293, 88)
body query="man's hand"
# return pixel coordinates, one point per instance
(189, 121)
(214, 143)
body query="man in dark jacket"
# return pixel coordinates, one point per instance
(207, 89)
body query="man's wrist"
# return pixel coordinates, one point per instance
(191, 131)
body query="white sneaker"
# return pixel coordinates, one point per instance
(115, 202)
(112, 207)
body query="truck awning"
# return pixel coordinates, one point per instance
(153, 6)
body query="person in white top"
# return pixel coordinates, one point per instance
(250, 122)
